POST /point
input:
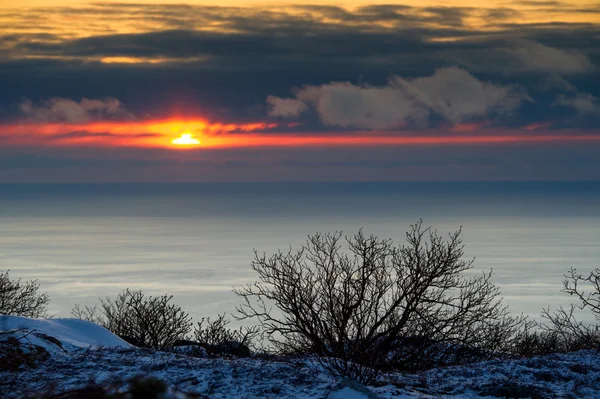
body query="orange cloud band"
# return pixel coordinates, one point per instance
(123, 134)
(161, 134)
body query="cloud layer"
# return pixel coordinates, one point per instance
(517, 81)
(583, 103)
(452, 94)
(536, 57)
(70, 111)
(223, 62)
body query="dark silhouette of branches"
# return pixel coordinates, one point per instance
(537, 339)
(89, 313)
(377, 306)
(588, 299)
(21, 298)
(569, 333)
(218, 339)
(152, 322)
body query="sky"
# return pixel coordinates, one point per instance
(242, 91)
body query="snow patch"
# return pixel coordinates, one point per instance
(70, 333)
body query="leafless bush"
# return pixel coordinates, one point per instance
(563, 332)
(534, 341)
(21, 298)
(89, 313)
(379, 306)
(218, 339)
(570, 334)
(151, 322)
(574, 334)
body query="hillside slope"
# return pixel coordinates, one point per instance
(84, 354)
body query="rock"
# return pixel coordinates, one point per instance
(229, 348)
(191, 350)
(185, 342)
(132, 340)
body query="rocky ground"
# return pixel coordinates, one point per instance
(68, 362)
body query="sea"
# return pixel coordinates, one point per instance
(196, 241)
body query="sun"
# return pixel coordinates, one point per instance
(186, 139)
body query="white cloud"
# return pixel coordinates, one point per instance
(285, 107)
(452, 94)
(457, 95)
(583, 103)
(554, 81)
(536, 57)
(345, 104)
(67, 110)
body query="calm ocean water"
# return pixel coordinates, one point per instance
(196, 241)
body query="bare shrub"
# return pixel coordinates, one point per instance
(21, 298)
(218, 339)
(151, 322)
(378, 306)
(534, 340)
(563, 332)
(572, 333)
(89, 313)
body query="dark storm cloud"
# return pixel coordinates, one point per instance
(248, 47)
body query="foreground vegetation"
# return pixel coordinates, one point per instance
(357, 306)
(147, 373)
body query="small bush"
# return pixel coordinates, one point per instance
(149, 322)
(575, 334)
(21, 298)
(563, 333)
(219, 340)
(570, 334)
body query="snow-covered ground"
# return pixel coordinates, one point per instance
(72, 333)
(83, 353)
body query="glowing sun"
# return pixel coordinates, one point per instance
(186, 139)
